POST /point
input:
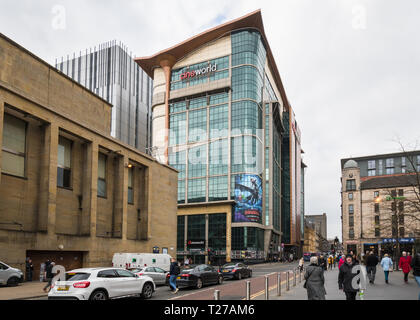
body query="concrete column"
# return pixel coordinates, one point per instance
(120, 196)
(125, 197)
(207, 238)
(90, 190)
(1, 130)
(228, 236)
(186, 234)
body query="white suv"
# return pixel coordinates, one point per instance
(101, 284)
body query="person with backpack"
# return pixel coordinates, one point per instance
(174, 272)
(315, 281)
(371, 263)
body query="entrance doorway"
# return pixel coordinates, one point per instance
(70, 260)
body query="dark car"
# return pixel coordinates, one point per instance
(198, 276)
(236, 271)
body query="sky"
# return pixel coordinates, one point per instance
(351, 69)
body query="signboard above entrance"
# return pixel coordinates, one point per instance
(199, 72)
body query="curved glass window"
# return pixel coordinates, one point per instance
(246, 117)
(248, 48)
(246, 83)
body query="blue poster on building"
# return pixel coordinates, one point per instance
(248, 198)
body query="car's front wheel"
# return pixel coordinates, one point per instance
(99, 295)
(13, 282)
(147, 291)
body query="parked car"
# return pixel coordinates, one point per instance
(101, 284)
(10, 276)
(236, 271)
(158, 275)
(198, 276)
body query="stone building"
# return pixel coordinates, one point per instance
(380, 203)
(68, 190)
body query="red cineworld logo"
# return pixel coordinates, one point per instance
(199, 72)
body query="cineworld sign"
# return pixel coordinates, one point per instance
(199, 72)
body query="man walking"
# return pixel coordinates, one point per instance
(345, 278)
(49, 275)
(174, 271)
(29, 269)
(371, 263)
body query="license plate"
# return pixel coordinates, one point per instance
(179, 278)
(66, 288)
(226, 271)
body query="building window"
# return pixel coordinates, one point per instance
(401, 192)
(401, 219)
(390, 168)
(351, 185)
(402, 232)
(218, 188)
(381, 167)
(371, 168)
(394, 207)
(351, 221)
(64, 163)
(376, 195)
(401, 206)
(403, 165)
(197, 190)
(377, 232)
(377, 220)
(376, 207)
(418, 163)
(102, 160)
(351, 234)
(180, 239)
(351, 197)
(130, 186)
(14, 146)
(393, 193)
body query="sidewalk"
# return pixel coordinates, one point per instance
(395, 290)
(25, 290)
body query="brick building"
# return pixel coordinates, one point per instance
(68, 190)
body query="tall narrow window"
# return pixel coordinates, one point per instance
(403, 165)
(130, 186)
(351, 185)
(351, 209)
(390, 168)
(64, 163)
(376, 207)
(14, 146)
(102, 159)
(380, 167)
(418, 163)
(372, 168)
(351, 197)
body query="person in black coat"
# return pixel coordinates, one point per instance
(29, 270)
(371, 263)
(322, 262)
(345, 278)
(415, 264)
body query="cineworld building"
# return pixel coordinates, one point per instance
(221, 117)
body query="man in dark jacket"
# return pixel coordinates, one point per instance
(345, 278)
(174, 271)
(415, 264)
(322, 262)
(371, 263)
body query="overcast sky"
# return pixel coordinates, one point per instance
(351, 69)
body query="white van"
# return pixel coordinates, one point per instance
(140, 260)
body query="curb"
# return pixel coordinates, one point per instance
(28, 298)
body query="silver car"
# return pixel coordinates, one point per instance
(10, 276)
(157, 274)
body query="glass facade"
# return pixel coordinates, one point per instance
(110, 72)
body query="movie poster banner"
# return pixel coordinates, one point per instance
(248, 198)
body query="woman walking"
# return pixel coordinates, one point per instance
(314, 283)
(415, 264)
(386, 265)
(342, 260)
(405, 266)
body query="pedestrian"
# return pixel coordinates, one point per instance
(42, 272)
(29, 269)
(315, 281)
(345, 278)
(386, 265)
(371, 263)
(342, 260)
(49, 276)
(415, 264)
(173, 273)
(322, 262)
(187, 262)
(301, 263)
(405, 266)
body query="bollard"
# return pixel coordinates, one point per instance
(294, 278)
(248, 290)
(266, 288)
(217, 295)
(287, 281)
(279, 284)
